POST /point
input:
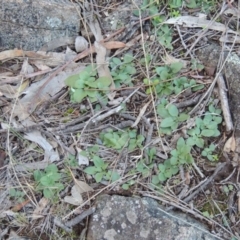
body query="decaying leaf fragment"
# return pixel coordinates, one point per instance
(76, 191)
(230, 145)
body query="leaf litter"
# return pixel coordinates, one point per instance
(128, 134)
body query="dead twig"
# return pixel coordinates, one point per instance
(224, 103)
(80, 217)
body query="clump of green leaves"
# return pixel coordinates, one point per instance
(171, 117)
(16, 194)
(86, 84)
(167, 81)
(48, 181)
(227, 189)
(179, 156)
(142, 168)
(90, 151)
(164, 36)
(128, 184)
(122, 70)
(205, 127)
(208, 153)
(173, 4)
(196, 66)
(71, 161)
(183, 83)
(163, 32)
(120, 139)
(99, 171)
(162, 84)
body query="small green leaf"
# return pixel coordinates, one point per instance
(167, 122)
(117, 61)
(183, 117)
(48, 193)
(71, 81)
(46, 181)
(174, 126)
(180, 143)
(192, 4)
(174, 160)
(125, 186)
(128, 58)
(191, 141)
(217, 120)
(210, 157)
(200, 142)
(51, 168)
(54, 176)
(103, 82)
(12, 192)
(98, 162)
(175, 3)
(204, 153)
(216, 133)
(99, 176)
(206, 214)
(207, 133)
(174, 153)
(212, 147)
(168, 173)
(161, 167)
(130, 69)
(176, 67)
(161, 177)
(173, 111)
(198, 87)
(132, 134)
(115, 176)
(155, 179)
(90, 170)
(79, 95)
(37, 174)
(174, 170)
(162, 111)
(123, 76)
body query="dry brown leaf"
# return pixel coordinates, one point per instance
(103, 70)
(196, 22)
(169, 59)
(113, 45)
(19, 206)
(49, 153)
(26, 67)
(142, 111)
(82, 186)
(8, 54)
(230, 145)
(50, 59)
(76, 197)
(30, 101)
(42, 204)
(76, 191)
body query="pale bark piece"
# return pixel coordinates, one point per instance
(29, 25)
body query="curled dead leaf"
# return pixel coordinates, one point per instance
(230, 145)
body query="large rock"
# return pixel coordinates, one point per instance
(29, 25)
(118, 218)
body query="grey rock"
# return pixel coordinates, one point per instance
(131, 218)
(29, 25)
